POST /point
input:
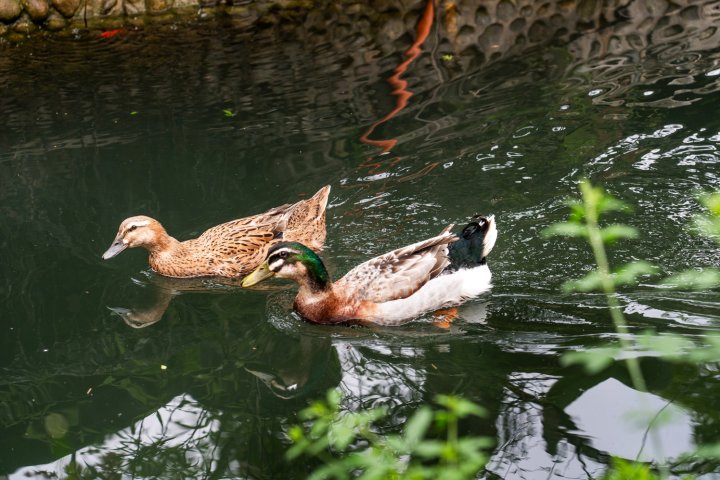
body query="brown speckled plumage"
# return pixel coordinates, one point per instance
(232, 249)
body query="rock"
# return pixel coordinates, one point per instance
(24, 25)
(111, 7)
(38, 10)
(156, 6)
(55, 22)
(67, 8)
(134, 7)
(9, 10)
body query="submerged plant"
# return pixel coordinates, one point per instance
(350, 446)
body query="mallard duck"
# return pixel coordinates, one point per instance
(392, 288)
(231, 249)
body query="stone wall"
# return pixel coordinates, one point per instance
(489, 25)
(473, 32)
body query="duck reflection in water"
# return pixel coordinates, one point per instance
(163, 289)
(292, 367)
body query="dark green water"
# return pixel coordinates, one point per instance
(95, 130)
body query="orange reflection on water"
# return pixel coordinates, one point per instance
(400, 86)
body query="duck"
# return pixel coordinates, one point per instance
(229, 250)
(390, 289)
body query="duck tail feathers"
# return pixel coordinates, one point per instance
(304, 221)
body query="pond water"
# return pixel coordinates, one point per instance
(101, 369)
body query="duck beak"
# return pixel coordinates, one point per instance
(258, 275)
(490, 235)
(116, 247)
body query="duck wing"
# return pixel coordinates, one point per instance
(235, 238)
(303, 221)
(397, 274)
(231, 249)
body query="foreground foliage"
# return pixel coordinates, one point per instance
(350, 446)
(428, 447)
(584, 222)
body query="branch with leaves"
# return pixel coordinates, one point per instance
(349, 446)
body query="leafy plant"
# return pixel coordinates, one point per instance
(709, 226)
(624, 470)
(584, 222)
(350, 447)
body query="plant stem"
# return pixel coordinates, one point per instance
(453, 436)
(608, 285)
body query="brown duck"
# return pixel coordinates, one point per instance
(232, 249)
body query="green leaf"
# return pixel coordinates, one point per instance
(706, 354)
(577, 210)
(418, 424)
(565, 229)
(317, 446)
(588, 283)
(627, 470)
(680, 349)
(334, 397)
(337, 469)
(398, 444)
(472, 447)
(449, 474)
(694, 279)
(296, 433)
(710, 452)
(457, 407)
(297, 450)
(463, 408)
(593, 361)
(712, 202)
(668, 346)
(613, 233)
(708, 226)
(608, 203)
(627, 274)
(229, 113)
(343, 437)
(597, 197)
(342, 433)
(430, 449)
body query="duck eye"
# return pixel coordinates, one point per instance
(132, 227)
(283, 254)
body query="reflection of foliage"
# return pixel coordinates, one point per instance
(351, 448)
(100, 394)
(584, 222)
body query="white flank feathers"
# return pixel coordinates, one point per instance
(440, 292)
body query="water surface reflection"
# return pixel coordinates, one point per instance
(212, 382)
